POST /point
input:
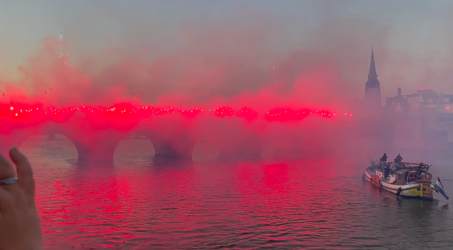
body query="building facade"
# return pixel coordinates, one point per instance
(423, 100)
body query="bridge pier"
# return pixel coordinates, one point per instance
(96, 147)
(97, 154)
(51, 136)
(240, 154)
(249, 148)
(228, 154)
(181, 149)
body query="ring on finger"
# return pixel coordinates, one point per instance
(9, 181)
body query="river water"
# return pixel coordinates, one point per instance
(140, 204)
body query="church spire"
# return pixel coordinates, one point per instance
(372, 85)
(372, 73)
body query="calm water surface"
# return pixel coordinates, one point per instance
(139, 204)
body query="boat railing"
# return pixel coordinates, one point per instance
(411, 164)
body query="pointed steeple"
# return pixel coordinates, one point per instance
(372, 85)
(372, 72)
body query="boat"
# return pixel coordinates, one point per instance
(404, 179)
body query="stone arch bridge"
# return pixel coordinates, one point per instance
(96, 141)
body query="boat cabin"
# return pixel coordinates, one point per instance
(400, 177)
(405, 176)
(402, 173)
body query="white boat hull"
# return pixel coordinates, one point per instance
(410, 190)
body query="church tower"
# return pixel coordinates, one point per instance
(372, 85)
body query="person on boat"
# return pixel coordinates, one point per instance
(398, 159)
(386, 171)
(384, 158)
(383, 161)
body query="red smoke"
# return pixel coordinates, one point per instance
(240, 62)
(211, 63)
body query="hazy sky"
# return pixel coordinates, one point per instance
(420, 28)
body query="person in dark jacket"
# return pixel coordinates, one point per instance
(383, 161)
(384, 158)
(398, 159)
(386, 171)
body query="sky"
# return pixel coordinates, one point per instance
(417, 50)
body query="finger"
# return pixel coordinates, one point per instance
(6, 171)
(5, 200)
(24, 171)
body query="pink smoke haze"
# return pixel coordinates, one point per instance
(243, 62)
(235, 60)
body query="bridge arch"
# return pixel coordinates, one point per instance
(99, 145)
(134, 146)
(178, 146)
(58, 146)
(247, 147)
(92, 146)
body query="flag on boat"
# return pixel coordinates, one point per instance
(440, 188)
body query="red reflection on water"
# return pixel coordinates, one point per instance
(290, 195)
(282, 206)
(276, 177)
(95, 204)
(174, 197)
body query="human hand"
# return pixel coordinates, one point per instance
(20, 227)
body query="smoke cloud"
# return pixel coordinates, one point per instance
(209, 58)
(238, 59)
